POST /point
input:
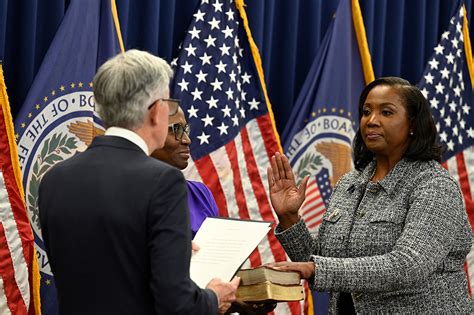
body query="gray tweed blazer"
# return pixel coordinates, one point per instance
(400, 251)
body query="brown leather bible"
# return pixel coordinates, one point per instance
(269, 285)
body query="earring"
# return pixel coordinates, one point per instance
(411, 132)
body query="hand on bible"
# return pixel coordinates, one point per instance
(225, 291)
(285, 196)
(306, 269)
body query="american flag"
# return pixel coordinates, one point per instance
(447, 85)
(318, 191)
(232, 131)
(19, 276)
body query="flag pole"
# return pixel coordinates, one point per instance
(362, 41)
(467, 46)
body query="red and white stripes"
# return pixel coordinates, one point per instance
(16, 237)
(13, 267)
(461, 167)
(313, 208)
(237, 176)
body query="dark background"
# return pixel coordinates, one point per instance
(401, 36)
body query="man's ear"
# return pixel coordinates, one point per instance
(153, 113)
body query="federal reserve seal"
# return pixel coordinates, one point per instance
(324, 142)
(322, 151)
(63, 124)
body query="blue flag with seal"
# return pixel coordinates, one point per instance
(57, 118)
(318, 137)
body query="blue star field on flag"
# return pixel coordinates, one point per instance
(446, 86)
(215, 77)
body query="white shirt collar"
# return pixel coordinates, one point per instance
(129, 135)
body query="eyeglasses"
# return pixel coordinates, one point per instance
(173, 105)
(179, 130)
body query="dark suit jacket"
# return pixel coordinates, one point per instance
(115, 224)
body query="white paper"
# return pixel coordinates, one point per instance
(224, 246)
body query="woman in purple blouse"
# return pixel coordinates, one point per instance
(176, 152)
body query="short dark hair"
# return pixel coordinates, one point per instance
(424, 144)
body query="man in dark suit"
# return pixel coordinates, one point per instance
(115, 222)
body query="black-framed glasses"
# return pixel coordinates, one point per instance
(179, 130)
(173, 105)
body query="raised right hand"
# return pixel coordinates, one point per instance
(285, 196)
(225, 291)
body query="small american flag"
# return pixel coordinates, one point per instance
(447, 85)
(318, 191)
(232, 132)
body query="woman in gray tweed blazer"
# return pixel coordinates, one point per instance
(395, 234)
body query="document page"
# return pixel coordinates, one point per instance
(224, 246)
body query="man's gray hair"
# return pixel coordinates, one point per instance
(127, 84)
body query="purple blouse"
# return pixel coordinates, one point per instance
(201, 204)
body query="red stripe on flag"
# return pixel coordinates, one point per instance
(311, 188)
(17, 204)
(15, 302)
(23, 227)
(465, 188)
(255, 259)
(209, 176)
(308, 213)
(466, 270)
(261, 195)
(315, 198)
(266, 129)
(239, 191)
(20, 216)
(318, 209)
(311, 197)
(312, 216)
(462, 173)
